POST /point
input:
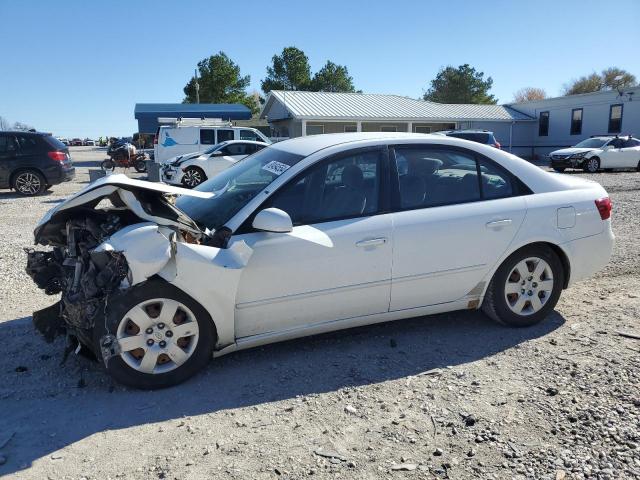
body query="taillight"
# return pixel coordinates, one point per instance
(604, 207)
(57, 156)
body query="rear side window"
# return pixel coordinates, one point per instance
(496, 182)
(631, 142)
(28, 143)
(224, 135)
(207, 136)
(54, 143)
(7, 144)
(474, 137)
(237, 149)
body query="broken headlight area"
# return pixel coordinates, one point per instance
(84, 276)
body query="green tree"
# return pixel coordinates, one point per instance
(609, 79)
(220, 82)
(288, 71)
(460, 85)
(332, 78)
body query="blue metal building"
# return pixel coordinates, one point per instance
(147, 114)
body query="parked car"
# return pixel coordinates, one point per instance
(308, 236)
(479, 136)
(75, 142)
(601, 152)
(192, 169)
(87, 142)
(63, 140)
(183, 138)
(31, 162)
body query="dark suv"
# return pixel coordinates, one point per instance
(478, 136)
(30, 162)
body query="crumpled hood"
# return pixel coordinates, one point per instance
(571, 151)
(145, 199)
(182, 158)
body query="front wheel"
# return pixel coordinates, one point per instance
(108, 165)
(193, 176)
(526, 287)
(592, 165)
(163, 336)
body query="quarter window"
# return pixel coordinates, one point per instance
(576, 121)
(543, 124)
(342, 188)
(615, 118)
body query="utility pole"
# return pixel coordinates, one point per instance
(197, 87)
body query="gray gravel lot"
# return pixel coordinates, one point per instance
(448, 396)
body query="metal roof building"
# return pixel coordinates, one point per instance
(147, 114)
(297, 113)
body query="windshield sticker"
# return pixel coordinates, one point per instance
(276, 167)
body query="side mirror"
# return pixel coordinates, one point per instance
(217, 153)
(273, 220)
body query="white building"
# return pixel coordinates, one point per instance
(529, 129)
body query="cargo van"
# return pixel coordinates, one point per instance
(182, 136)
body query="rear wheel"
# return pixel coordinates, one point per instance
(592, 165)
(164, 336)
(526, 287)
(107, 165)
(193, 176)
(140, 166)
(29, 183)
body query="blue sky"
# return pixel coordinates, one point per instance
(77, 68)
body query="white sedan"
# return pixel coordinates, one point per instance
(596, 153)
(194, 168)
(310, 235)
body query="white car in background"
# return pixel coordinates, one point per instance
(597, 153)
(192, 169)
(311, 235)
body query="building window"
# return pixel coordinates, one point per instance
(389, 128)
(315, 129)
(576, 121)
(350, 128)
(419, 129)
(615, 118)
(543, 124)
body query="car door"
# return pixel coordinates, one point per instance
(611, 155)
(335, 264)
(8, 148)
(630, 152)
(224, 157)
(455, 215)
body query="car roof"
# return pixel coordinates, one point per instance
(23, 132)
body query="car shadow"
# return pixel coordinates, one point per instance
(47, 406)
(11, 195)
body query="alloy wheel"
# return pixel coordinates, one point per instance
(593, 164)
(192, 177)
(529, 286)
(157, 336)
(28, 183)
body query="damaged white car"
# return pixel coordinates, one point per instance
(307, 236)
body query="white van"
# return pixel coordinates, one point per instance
(195, 135)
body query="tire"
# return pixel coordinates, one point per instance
(193, 176)
(638, 167)
(559, 169)
(509, 302)
(140, 166)
(592, 165)
(28, 183)
(155, 295)
(107, 165)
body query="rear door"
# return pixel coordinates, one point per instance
(455, 215)
(631, 152)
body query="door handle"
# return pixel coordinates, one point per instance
(499, 223)
(371, 242)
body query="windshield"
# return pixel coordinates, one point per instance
(592, 143)
(236, 186)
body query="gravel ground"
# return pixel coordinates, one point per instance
(448, 396)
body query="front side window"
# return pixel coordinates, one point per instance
(543, 124)
(7, 144)
(342, 188)
(236, 186)
(615, 118)
(236, 149)
(27, 144)
(576, 121)
(207, 136)
(249, 135)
